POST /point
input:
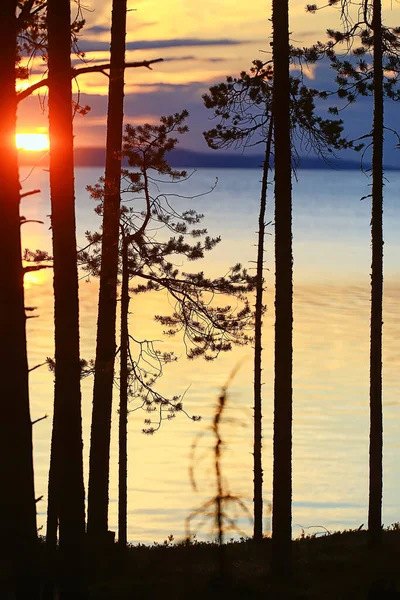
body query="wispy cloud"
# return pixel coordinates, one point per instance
(103, 30)
(209, 60)
(93, 45)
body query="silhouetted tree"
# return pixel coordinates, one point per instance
(123, 400)
(207, 329)
(236, 100)
(258, 314)
(243, 106)
(105, 348)
(376, 417)
(356, 76)
(282, 469)
(136, 379)
(32, 41)
(17, 504)
(66, 489)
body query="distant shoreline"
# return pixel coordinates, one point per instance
(95, 157)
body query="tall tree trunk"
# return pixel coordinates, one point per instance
(66, 453)
(376, 421)
(282, 470)
(257, 452)
(17, 504)
(105, 350)
(123, 401)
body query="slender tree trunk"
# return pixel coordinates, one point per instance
(52, 523)
(282, 470)
(376, 421)
(258, 472)
(17, 504)
(105, 350)
(66, 460)
(123, 401)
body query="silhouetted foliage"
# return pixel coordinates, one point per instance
(140, 242)
(32, 37)
(207, 329)
(243, 106)
(137, 378)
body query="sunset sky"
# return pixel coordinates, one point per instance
(201, 43)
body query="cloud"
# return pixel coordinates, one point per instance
(105, 30)
(179, 58)
(312, 34)
(96, 30)
(147, 106)
(190, 57)
(307, 70)
(93, 45)
(146, 101)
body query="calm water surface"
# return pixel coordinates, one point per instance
(331, 354)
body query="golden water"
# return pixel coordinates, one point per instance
(331, 358)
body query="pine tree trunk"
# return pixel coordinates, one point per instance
(282, 470)
(105, 349)
(51, 523)
(258, 473)
(376, 421)
(17, 504)
(67, 465)
(123, 402)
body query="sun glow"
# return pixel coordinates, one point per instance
(32, 141)
(33, 278)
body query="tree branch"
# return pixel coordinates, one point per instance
(25, 14)
(38, 420)
(92, 69)
(36, 366)
(30, 193)
(31, 268)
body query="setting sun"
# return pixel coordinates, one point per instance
(32, 141)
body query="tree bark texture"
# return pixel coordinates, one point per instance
(17, 504)
(105, 348)
(282, 448)
(376, 418)
(66, 450)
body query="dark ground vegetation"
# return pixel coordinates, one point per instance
(336, 566)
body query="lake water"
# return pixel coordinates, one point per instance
(331, 359)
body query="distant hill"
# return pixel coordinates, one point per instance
(95, 157)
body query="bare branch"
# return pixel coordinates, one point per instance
(92, 69)
(40, 419)
(30, 193)
(35, 268)
(36, 366)
(24, 221)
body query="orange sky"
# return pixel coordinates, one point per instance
(201, 44)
